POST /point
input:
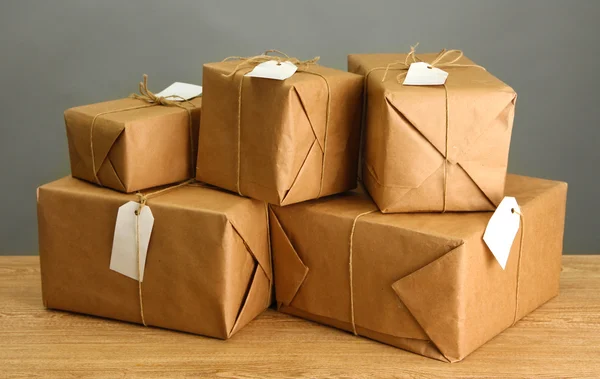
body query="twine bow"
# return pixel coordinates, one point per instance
(149, 97)
(445, 59)
(265, 57)
(150, 100)
(303, 66)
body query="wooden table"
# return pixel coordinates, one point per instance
(560, 339)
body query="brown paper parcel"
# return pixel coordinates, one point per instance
(426, 283)
(284, 135)
(404, 165)
(133, 148)
(208, 267)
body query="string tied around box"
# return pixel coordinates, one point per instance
(247, 64)
(149, 99)
(446, 59)
(351, 270)
(265, 57)
(142, 202)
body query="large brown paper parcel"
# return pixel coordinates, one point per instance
(426, 283)
(404, 165)
(135, 145)
(288, 149)
(208, 268)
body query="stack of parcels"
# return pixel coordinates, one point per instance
(178, 253)
(409, 260)
(180, 256)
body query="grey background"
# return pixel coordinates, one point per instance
(59, 54)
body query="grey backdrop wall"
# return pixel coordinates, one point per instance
(58, 54)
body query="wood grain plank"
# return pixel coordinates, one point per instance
(561, 339)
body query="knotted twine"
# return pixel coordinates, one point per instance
(303, 66)
(150, 100)
(142, 200)
(351, 253)
(442, 60)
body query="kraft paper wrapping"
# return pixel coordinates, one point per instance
(405, 137)
(282, 133)
(208, 269)
(426, 283)
(134, 149)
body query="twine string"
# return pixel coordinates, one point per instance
(142, 200)
(444, 197)
(521, 240)
(403, 65)
(139, 261)
(281, 53)
(150, 100)
(350, 268)
(254, 61)
(303, 66)
(239, 138)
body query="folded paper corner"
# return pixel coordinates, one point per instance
(432, 295)
(287, 263)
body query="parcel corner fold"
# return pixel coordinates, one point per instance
(423, 282)
(131, 144)
(282, 142)
(208, 268)
(426, 145)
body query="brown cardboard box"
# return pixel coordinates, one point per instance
(404, 165)
(133, 149)
(422, 282)
(283, 134)
(208, 268)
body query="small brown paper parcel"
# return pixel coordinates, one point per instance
(130, 144)
(207, 272)
(434, 148)
(423, 282)
(282, 142)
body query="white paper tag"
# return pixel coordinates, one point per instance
(181, 90)
(124, 256)
(420, 74)
(273, 70)
(502, 229)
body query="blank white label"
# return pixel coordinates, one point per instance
(177, 91)
(502, 229)
(124, 256)
(422, 74)
(273, 70)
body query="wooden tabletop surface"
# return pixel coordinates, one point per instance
(560, 339)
